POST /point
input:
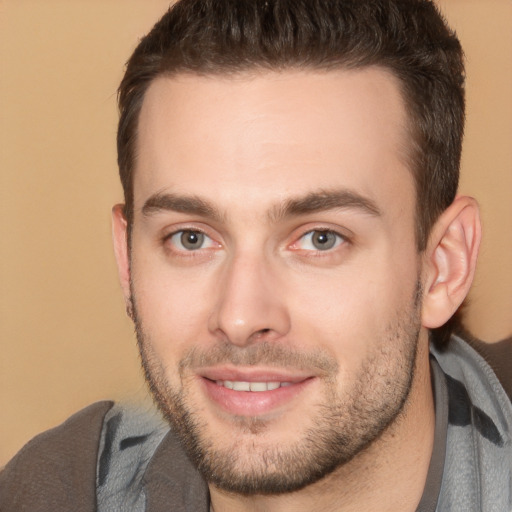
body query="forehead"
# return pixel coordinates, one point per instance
(268, 135)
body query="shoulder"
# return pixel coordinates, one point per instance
(57, 469)
(477, 367)
(478, 462)
(499, 357)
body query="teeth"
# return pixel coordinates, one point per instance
(252, 386)
(258, 386)
(241, 386)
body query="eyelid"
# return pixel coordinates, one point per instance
(342, 239)
(178, 230)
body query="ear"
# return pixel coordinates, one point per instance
(450, 261)
(120, 238)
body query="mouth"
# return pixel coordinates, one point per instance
(253, 394)
(255, 387)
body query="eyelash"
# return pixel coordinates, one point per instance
(339, 240)
(168, 239)
(296, 246)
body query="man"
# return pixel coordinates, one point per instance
(291, 251)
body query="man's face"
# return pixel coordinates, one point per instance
(274, 274)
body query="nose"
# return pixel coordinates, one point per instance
(251, 304)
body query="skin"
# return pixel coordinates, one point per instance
(258, 301)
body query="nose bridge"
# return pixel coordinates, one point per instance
(249, 306)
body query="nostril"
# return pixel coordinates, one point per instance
(262, 333)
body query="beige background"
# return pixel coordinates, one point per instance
(65, 341)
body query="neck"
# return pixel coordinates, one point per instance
(388, 475)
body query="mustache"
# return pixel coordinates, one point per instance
(261, 353)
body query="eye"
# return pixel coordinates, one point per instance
(189, 240)
(319, 240)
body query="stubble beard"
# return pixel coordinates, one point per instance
(342, 425)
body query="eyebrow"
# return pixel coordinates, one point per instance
(326, 200)
(161, 202)
(322, 200)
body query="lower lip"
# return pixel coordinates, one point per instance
(253, 403)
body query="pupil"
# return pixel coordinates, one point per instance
(324, 240)
(192, 239)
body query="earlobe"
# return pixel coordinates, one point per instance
(451, 258)
(120, 239)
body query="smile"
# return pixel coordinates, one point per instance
(252, 386)
(253, 396)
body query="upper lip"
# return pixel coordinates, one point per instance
(235, 374)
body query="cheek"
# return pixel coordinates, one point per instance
(172, 306)
(349, 311)
(343, 320)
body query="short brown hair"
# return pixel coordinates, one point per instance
(408, 37)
